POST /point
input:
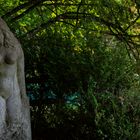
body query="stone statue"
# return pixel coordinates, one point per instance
(14, 104)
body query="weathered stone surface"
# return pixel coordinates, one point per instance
(14, 105)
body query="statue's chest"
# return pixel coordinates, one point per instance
(8, 56)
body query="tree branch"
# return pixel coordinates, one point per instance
(73, 16)
(132, 23)
(15, 10)
(22, 6)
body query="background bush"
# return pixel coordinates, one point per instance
(86, 93)
(82, 66)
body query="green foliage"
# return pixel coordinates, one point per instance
(103, 75)
(82, 47)
(100, 116)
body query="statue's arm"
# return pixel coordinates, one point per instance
(21, 75)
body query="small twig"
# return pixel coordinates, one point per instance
(39, 12)
(132, 23)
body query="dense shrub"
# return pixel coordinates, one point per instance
(97, 116)
(102, 75)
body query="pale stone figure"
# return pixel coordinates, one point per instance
(14, 105)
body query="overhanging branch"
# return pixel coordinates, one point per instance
(32, 3)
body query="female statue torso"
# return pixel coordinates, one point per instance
(7, 73)
(14, 109)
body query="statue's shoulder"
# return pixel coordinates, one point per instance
(10, 42)
(3, 24)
